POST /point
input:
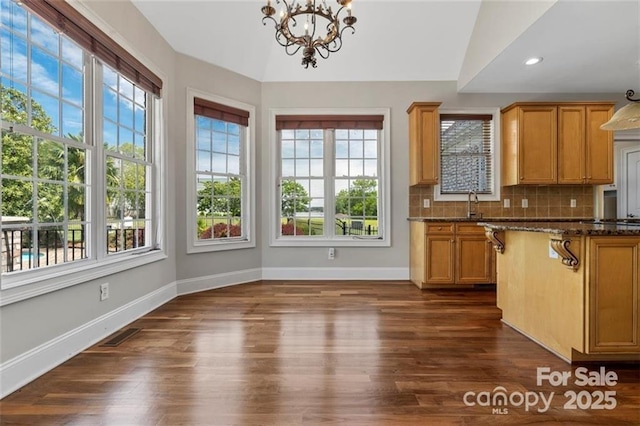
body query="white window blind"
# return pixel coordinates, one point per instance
(466, 153)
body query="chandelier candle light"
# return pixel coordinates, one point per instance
(315, 17)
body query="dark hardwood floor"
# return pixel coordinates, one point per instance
(292, 353)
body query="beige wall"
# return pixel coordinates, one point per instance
(195, 74)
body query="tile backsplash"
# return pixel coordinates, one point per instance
(543, 201)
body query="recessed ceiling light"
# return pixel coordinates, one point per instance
(533, 61)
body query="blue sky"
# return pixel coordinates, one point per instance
(54, 67)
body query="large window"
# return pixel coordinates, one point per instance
(220, 195)
(69, 198)
(127, 162)
(467, 156)
(330, 180)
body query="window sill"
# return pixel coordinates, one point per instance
(325, 242)
(25, 286)
(207, 247)
(437, 196)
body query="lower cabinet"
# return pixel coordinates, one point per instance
(447, 254)
(613, 293)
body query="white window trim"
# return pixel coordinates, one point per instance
(384, 214)
(21, 286)
(248, 199)
(495, 146)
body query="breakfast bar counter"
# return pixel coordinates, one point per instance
(572, 287)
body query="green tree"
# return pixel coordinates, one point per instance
(17, 160)
(294, 199)
(17, 153)
(133, 180)
(225, 199)
(359, 200)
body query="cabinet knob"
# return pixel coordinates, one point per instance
(439, 228)
(521, 178)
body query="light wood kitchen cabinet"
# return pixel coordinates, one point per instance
(424, 143)
(599, 145)
(439, 253)
(474, 255)
(445, 254)
(585, 152)
(557, 143)
(613, 295)
(529, 145)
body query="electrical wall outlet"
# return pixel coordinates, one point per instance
(573, 203)
(507, 203)
(332, 253)
(426, 203)
(104, 291)
(525, 203)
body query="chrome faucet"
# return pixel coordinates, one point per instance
(472, 213)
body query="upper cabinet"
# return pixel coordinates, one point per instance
(424, 143)
(559, 143)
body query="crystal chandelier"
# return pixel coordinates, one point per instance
(310, 38)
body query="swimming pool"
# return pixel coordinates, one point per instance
(27, 256)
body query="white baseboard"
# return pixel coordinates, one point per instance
(28, 366)
(374, 274)
(210, 282)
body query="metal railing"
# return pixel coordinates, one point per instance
(342, 228)
(124, 239)
(18, 248)
(53, 248)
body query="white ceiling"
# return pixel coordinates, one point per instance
(588, 46)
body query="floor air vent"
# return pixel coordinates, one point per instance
(121, 337)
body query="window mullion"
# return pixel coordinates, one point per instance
(329, 183)
(380, 181)
(99, 230)
(150, 234)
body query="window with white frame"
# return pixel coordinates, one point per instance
(56, 177)
(467, 156)
(127, 162)
(330, 180)
(219, 161)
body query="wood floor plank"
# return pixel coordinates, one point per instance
(301, 353)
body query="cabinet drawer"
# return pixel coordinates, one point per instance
(439, 228)
(469, 228)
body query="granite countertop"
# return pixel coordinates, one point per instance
(496, 219)
(585, 227)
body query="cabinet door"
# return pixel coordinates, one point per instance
(439, 259)
(599, 146)
(613, 319)
(571, 145)
(538, 145)
(473, 259)
(424, 141)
